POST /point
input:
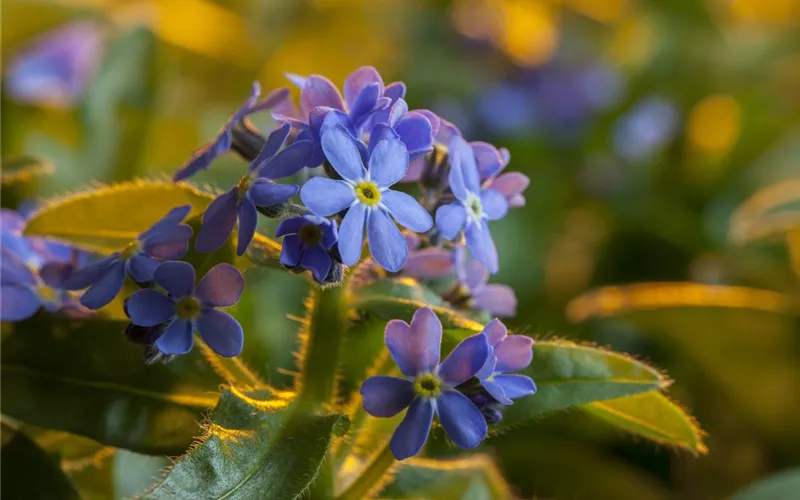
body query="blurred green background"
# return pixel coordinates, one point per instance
(643, 125)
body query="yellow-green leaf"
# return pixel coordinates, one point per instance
(23, 169)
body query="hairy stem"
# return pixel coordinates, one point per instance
(370, 476)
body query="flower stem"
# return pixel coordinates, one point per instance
(370, 477)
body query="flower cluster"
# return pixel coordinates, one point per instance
(467, 391)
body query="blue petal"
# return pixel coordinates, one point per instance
(90, 273)
(291, 251)
(55, 274)
(497, 300)
(516, 386)
(351, 234)
(177, 338)
(266, 193)
(514, 353)
(291, 225)
(487, 158)
(466, 359)
(450, 220)
(388, 163)
(494, 204)
(201, 160)
(411, 434)
(14, 272)
(169, 245)
(330, 231)
(495, 332)
(222, 286)
(386, 396)
(407, 211)
(342, 153)
(246, 108)
(221, 332)
(365, 103)
(461, 419)
(17, 303)
(480, 243)
(271, 146)
(398, 111)
(415, 348)
(288, 162)
(167, 223)
(381, 132)
(488, 367)
(416, 132)
(248, 219)
(176, 277)
(393, 91)
(386, 242)
(496, 391)
(326, 197)
(142, 268)
(463, 171)
(473, 274)
(359, 79)
(148, 307)
(273, 100)
(103, 291)
(317, 260)
(218, 222)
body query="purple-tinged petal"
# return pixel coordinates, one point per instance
(394, 91)
(90, 273)
(148, 307)
(221, 332)
(265, 193)
(201, 160)
(103, 291)
(291, 225)
(429, 263)
(364, 104)
(510, 184)
(415, 168)
(466, 359)
(433, 119)
(488, 367)
(351, 234)
(495, 332)
(481, 245)
(397, 112)
(274, 99)
(177, 338)
(516, 201)
(497, 300)
(514, 353)
(17, 303)
(412, 433)
(327, 197)
(450, 220)
(222, 286)
(55, 274)
(248, 220)
(291, 250)
(218, 222)
(474, 274)
(319, 91)
(176, 277)
(14, 272)
(287, 162)
(386, 242)
(245, 109)
(358, 80)
(447, 131)
(169, 245)
(330, 230)
(412, 240)
(142, 268)
(317, 260)
(342, 153)
(273, 143)
(416, 133)
(381, 132)
(463, 170)
(487, 158)
(388, 162)
(297, 80)
(496, 391)
(415, 348)
(515, 386)
(386, 396)
(322, 119)
(167, 223)
(407, 211)
(494, 204)
(462, 420)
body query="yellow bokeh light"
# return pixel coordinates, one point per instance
(714, 124)
(633, 41)
(778, 13)
(605, 11)
(529, 33)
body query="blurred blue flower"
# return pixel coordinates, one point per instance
(33, 251)
(366, 196)
(166, 239)
(203, 157)
(427, 263)
(474, 207)
(56, 68)
(506, 354)
(187, 308)
(646, 128)
(256, 189)
(307, 242)
(496, 299)
(506, 108)
(24, 292)
(427, 387)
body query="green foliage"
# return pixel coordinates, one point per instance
(90, 381)
(473, 478)
(259, 445)
(784, 485)
(19, 176)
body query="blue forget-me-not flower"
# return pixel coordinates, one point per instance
(167, 239)
(507, 353)
(24, 292)
(307, 242)
(256, 189)
(427, 387)
(187, 308)
(496, 299)
(366, 196)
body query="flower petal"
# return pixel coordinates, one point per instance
(218, 222)
(142, 268)
(342, 153)
(87, 274)
(291, 250)
(326, 197)
(103, 291)
(222, 286)
(358, 80)
(290, 225)
(496, 391)
(167, 223)
(201, 160)
(148, 307)
(288, 162)
(55, 274)
(388, 163)
(407, 211)
(514, 353)
(317, 260)
(429, 263)
(394, 91)
(380, 132)
(494, 204)
(177, 338)
(17, 303)
(510, 183)
(176, 277)
(412, 433)
(364, 104)
(466, 359)
(487, 158)
(461, 419)
(495, 332)
(463, 170)
(386, 396)
(274, 99)
(450, 220)
(416, 133)
(481, 245)
(319, 91)
(273, 143)
(474, 274)
(248, 219)
(386, 242)
(497, 300)
(397, 112)
(415, 348)
(265, 193)
(221, 332)
(516, 386)
(351, 233)
(169, 245)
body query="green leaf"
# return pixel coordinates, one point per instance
(259, 445)
(28, 472)
(83, 377)
(18, 178)
(784, 485)
(651, 415)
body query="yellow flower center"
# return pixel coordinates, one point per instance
(368, 193)
(310, 234)
(131, 249)
(474, 207)
(427, 385)
(187, 308)
(46, 294)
